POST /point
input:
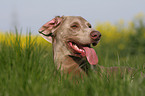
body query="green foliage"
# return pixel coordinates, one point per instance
(137, 40)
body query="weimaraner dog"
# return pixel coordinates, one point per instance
(72, 38)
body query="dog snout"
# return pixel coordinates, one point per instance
(95, 35)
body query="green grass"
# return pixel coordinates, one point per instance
(29, 71)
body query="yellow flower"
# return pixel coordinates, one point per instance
(139, 15)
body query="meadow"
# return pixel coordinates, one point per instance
(27, 68)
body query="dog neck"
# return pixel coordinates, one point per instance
(67, 63)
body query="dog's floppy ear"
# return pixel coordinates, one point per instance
(48, 28)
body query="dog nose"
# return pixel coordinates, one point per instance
(96, 35)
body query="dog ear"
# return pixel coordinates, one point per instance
(48, 28)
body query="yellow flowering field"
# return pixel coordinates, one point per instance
(12, 38)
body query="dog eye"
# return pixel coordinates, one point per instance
(89, 26)
(74, 26)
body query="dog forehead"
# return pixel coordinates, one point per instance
(71, 19)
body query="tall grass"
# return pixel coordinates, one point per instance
(27, 68)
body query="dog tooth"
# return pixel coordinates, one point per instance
(76, 46)
(81, 50)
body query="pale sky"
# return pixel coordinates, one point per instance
(33, 14)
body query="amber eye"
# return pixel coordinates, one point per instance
(74, 26)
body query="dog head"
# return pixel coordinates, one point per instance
(75, 33)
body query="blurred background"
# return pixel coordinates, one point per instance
(26, 60)
(31, 14)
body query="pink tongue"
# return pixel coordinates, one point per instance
(91, 55)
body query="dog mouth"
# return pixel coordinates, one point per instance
(85, 51)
